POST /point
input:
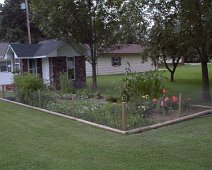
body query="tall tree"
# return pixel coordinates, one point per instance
(13, 23)
(196, 19)
(92, 22)
(165, 40)
(193, 27)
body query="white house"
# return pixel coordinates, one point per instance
(47, 58)
(115, 61)
(6, 76)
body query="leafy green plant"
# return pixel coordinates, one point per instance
(112, 99)
(26, 87)
(107, 114)
(65, 83)
(84, 94)
(135, 85)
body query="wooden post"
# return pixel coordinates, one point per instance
(123, 115)
(28, 22)
(180, 103)
(3, 92)
(39, 98)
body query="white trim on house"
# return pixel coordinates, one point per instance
(14, 54)
(33, 57)
(45, 71)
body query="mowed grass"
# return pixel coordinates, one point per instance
(188, 81)
(31, 139)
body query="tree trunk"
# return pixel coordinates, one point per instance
(206, 97)
(172, 76)
(172, 71)
(93, 64)
(205, 78)
(94, 80)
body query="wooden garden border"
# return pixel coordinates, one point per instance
(132, 131)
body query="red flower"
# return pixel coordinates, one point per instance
(164, 91)
(166, 99)
(174, 99)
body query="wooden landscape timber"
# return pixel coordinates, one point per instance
(129, 132)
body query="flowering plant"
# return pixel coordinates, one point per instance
(145, 105)
(165, 104)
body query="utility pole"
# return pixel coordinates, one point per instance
(28, 22)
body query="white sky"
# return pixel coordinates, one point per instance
(1, 1)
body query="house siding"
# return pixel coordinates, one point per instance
(6, 78)
(104, 65)
(24, 63)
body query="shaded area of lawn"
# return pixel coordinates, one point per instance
(34, 140)
(187, 81)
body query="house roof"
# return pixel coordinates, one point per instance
(126, 49)
(3, 49)
(34, 50)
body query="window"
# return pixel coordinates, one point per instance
(5, 66)
(17, 64)
(32, 66)
(16, 67)
(116, 61)
(71, 67)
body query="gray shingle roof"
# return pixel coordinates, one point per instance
(3, 49)
(34, 50)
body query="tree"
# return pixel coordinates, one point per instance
(164, 40)
(13, 23)
(191, 20)
(91, 22)
(196, 19)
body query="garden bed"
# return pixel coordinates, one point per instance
(158, 117)
(109, 114)
(98, 109)
(171, 121)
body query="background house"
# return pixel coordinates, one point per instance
(49, 58)
(114, 61)
(6, 75)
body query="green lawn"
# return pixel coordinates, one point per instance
(187, 81)
(34, 140)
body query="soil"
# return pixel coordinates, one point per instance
(159, 117)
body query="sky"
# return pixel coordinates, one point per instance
(1, 1)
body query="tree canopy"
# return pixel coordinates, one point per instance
(92, 22)
(13, 23)
(177, 28)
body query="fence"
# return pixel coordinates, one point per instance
(119, 115)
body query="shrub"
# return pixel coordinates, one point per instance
(65, 83)
(28, 82)
(135, 85)
(103, 113)
(84, 94)
(107, 114)
(26, 87)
